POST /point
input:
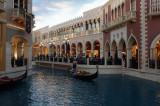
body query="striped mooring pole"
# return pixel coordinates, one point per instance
(123, 72)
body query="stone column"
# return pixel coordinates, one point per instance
(84, 52)
(71, 51)
(65, 47)
(113, 53)
(19, 51)
(60, 51)
(84, 28)
(87, 61)
(129, 56)
(101, 53)
(120, 53)
(106, 53)
(92, 50)
(7, 60)
(77, 51)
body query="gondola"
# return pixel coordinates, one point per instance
(85, 75)
(7, 82)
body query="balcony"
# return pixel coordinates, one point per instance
(118, 22)
(131, 16)
(19, 15)
(2, 5)
(92, 31)
(154, 10)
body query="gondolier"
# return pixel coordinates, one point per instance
(83, 75)
(74, 63)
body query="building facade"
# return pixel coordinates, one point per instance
(120, 29)
(16, 43)
(131, 30)
(83, 35)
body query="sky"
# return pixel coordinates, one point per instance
(53, 12)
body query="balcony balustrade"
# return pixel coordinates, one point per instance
(154, 10)
(92, 31)
(130, 16)
(2, 5)
(18, 14)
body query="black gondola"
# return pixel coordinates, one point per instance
(6, 82)
(87, 76)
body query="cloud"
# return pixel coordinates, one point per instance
(51, 9)
(64, 4)
(63, 11)
(34, 8)
(89, 6)
(39, 17)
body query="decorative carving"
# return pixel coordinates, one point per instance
(114, 36)
(117, 36)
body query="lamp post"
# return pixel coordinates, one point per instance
(41, 45)
(66, 42)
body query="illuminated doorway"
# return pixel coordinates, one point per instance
(74, 50)
(88, 49)
(80, 49)
(19, 52)
(97, 49)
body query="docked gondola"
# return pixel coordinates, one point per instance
(7, 82)
(86, 75)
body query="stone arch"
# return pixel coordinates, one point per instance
(154, 48)
(19, 51)
(80, 49)
(107, 49)
(122, 52)
(132, 53)
(154, 43)
(114, 49)
(130, 41)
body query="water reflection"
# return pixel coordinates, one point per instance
(57, 88)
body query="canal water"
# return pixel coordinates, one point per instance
(54, 87)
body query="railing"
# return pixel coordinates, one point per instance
(62, 37)
(158, 64)
(96, 61)
(81, 61)
(130, 16)
(152, 63)
(92, 31)
(154, 10)
(19, 62)
(2, 5)
(115, 61)
(104, 27)
(18, 12)
(116, 22)
(134, 63)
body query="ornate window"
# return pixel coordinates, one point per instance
(123, 9)
(15, 3)
(90, 25)
(119, 11)
(133, 5)
(155, 6)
